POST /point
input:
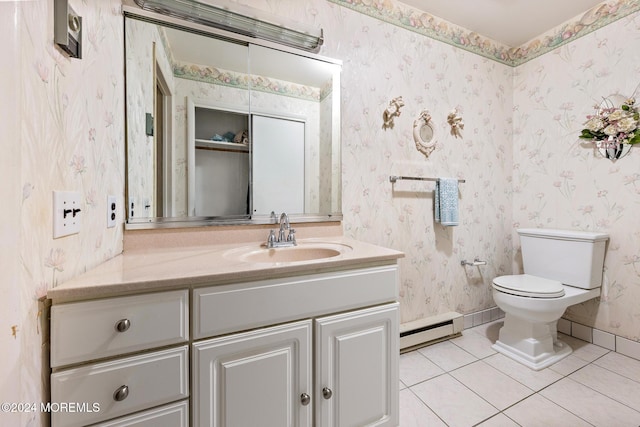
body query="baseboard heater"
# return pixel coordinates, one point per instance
(430, 329)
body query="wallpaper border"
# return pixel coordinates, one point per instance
(423, 23)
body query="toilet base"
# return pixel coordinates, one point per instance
(561, 350)
(533, 344)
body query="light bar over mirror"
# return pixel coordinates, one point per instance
(246, 23)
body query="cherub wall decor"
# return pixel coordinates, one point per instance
(456, 123)
(391, 112)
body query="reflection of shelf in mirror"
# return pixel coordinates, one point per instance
(220, 145)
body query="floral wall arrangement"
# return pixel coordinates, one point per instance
(613, 128)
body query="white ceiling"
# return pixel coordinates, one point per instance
(511, 22)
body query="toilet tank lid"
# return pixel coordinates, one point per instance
(593, 236)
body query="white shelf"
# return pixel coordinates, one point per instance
(220, 145)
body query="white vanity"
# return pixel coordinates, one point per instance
(225, 335)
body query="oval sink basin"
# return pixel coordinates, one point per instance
(304, 252)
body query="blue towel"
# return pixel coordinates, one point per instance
(446, 201)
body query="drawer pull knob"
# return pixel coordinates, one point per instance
(305, 399)
(121, 393)
(123, 325)
(327, 393)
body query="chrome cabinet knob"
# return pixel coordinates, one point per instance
(121, 393)
(123, 325)
(305, 399)
(327, 393)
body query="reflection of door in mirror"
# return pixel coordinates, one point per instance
(162, 143)
(278, 165)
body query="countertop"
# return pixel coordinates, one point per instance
(152, 270)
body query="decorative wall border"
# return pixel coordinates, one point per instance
(217, 76)
(433, 27)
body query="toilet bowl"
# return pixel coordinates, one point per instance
(562, 268)
(529, 333)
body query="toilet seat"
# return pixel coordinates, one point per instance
(526, 285)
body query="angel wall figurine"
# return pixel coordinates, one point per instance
(456, 123)
(391, 112)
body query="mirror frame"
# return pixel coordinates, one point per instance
(132, 11)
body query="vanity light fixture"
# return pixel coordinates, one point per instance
(222, 17)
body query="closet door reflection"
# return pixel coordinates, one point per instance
(278, 165)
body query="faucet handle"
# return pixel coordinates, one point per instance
(292, 236)
(271, 240)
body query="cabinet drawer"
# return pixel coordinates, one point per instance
(230, 308)
(173, 415)
(84, 331)
(152, 379)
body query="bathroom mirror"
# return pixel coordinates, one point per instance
(222, 131)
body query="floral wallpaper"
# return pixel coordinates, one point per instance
(520, 156)
(66, 132)
(559, 181)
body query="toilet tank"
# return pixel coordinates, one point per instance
(574, 258)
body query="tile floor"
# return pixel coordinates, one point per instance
(464, 382)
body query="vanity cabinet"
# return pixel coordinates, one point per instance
(318, 349)
(269, 368)
(269, 371)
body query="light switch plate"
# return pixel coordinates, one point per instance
(112, 210)
(67, 213)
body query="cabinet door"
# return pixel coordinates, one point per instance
(357, 356)
(255, 378)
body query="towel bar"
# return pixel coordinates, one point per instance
(394, 178)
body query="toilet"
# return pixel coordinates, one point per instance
(561, 268)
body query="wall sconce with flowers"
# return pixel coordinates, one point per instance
(614, 127)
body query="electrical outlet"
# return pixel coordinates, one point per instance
(67, 213)
(112, 209)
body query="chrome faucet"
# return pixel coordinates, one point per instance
(282, 241)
